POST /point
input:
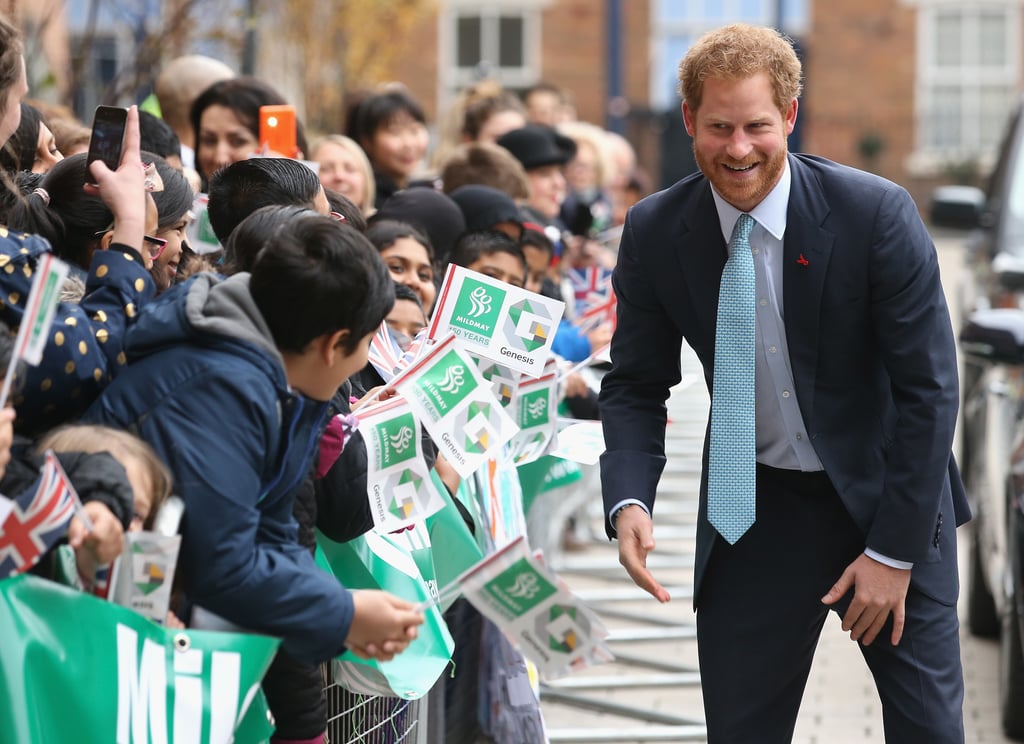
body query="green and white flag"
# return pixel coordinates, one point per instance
(536, 610)
(398, 482)
(74, 668)
(581, 442)
(446, 393)
(504, 380)
(145, 572)
(376, 561)
(201, 237)
(536, 402)
(497, 320)
(40, 307)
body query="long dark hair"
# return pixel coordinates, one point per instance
(69, 218)
(315, 275)
(19, 152)
(243, 96)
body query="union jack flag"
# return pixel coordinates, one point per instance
(38, 520)
(416, 349)
(605, 312)
(591, 286)
(384, 352)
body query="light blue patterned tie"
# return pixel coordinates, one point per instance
(732, 457)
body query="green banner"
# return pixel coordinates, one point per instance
(77, 668)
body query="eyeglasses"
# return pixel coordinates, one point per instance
(154, 246)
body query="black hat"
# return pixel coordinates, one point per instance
(431, 211)
(536, 145)
(485, 206)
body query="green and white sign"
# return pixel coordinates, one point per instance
(477, 309)
(398, 482)
(455, 404)
(536, 416)
(496, 320)
(535, 609)
(78, 669)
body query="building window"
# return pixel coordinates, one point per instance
(676, 24)
(968, 76)
(497, 42)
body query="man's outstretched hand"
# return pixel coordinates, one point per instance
(636, 539)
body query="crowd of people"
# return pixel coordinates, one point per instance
(213, 375)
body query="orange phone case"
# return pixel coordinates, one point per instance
(277, 130)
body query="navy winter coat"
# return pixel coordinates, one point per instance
(206, 387)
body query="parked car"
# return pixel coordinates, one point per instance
(992, 411)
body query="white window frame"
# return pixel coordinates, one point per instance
(454, 78)
(927, 160)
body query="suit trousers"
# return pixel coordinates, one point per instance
(759, 617)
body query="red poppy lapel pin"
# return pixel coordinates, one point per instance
(803, 261)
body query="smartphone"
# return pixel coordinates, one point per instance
(107, 135)
(277, 130)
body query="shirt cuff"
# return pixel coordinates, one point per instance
(887, 561)
(625, 502)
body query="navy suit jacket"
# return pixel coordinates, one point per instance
(870, 344)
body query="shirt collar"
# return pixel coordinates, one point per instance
(770, 213)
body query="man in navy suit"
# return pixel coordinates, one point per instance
(855, 396)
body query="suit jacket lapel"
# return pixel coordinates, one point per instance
(807, 248)
(702, 253)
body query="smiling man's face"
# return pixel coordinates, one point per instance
(739, 138)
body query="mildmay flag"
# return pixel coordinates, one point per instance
(40, 307)
(504, 380)
(535, 413)
(535, 610)
(446, 393)
(38, 520)
(496, 320)
(398, 481)
(74, 668)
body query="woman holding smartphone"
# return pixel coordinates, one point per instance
(226, 119)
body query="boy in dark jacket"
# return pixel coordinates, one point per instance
(228, 380)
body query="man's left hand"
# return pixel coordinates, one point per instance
(878, 591)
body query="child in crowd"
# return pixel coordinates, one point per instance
(229, 381)
(148, 477)
(409, 256)
(407, 317)
(432, 212)
(492, 253)
(390, 126)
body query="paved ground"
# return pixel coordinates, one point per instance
(656, 667)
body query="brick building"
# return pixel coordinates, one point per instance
(915, 90)
(564, 42)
